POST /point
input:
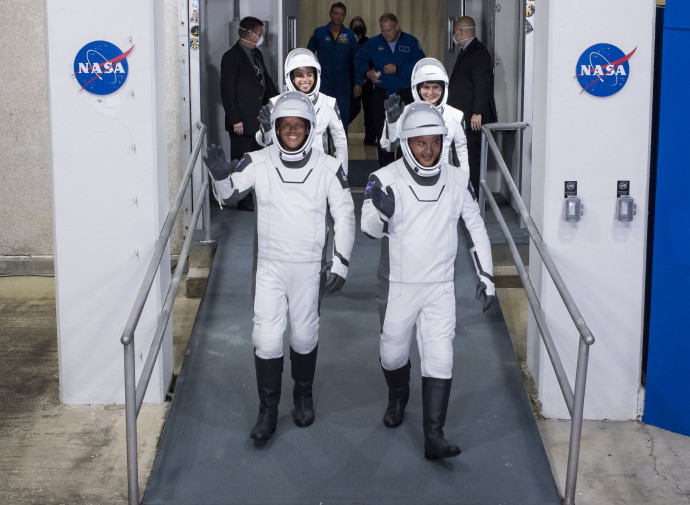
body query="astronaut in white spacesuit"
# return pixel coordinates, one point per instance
(429, 84)
(414, 205)
(303, 73)
(293, 184)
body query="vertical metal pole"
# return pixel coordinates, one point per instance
(206, 214)
(482, 172)
(576, 423)
(131, 425)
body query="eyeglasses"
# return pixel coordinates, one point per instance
(461, 29)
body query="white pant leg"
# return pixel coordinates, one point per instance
(436, 331)
(401, 314)
(303, 303)
(270, 309)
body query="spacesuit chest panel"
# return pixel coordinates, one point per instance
(291, 210)
(423, 232)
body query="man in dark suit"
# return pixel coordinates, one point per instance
(471, 89)
(245, 87)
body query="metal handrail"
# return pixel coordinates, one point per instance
(134, 394)
(575, 401)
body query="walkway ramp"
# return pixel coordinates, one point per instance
(347, 456)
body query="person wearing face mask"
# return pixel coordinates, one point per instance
(245, 87)
(471, 89)
(429, 84)
(363, 102)
(295, 185)
(303, 73)
(335, 46)
(414, 205)
(387, 61)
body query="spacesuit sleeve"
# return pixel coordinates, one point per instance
(481, 251)
(237, 185)
(460, 141)
(372, 224)
(263, 138)
(389, 136)
(335, 125)
(343, 211)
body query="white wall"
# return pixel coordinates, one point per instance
(109, 157)
(595, 141)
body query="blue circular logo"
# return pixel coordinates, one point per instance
(603, 69)
(101, 68)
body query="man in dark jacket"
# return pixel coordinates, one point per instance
(245, 87)
(471, 89)
(387, 61)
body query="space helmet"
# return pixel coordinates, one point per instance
(293, 104)
(302, 57)
(426, 70)
(419, 119)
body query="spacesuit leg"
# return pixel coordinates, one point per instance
(303, 293)
(270, 307)
(436, 331)
(398, 324)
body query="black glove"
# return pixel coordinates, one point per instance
(393, 107)
(488, 299)
(219, 167)
(264, 117)
(384, 202)
(334, 283)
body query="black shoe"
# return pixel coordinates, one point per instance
(435, 395)
(268, 380)
(303, 367)
(398, 382)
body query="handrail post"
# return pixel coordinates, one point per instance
(484, 160)
(576, 423)
(131, 425)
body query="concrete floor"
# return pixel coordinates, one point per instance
(59, 454)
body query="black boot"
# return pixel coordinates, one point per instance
(398, 393)
(269, 373)
(435, 395)
(303, 368)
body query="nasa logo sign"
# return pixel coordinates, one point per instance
(101, 68)
(603, 69)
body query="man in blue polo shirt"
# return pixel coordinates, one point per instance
(393, 54)
(335, 47)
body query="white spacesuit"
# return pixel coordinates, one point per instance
(414, 205)
(455, 142)
(293, 187)
(325, 107)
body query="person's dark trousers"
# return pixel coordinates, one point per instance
(303, 367)
(474, 153)
(378, 98)
(240, 144)
(370, 133)
(269, 374)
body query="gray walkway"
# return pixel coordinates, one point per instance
(52, 453)
(347, 456)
